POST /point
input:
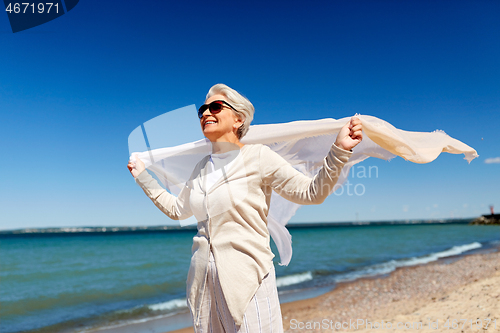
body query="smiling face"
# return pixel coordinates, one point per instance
(220, 127)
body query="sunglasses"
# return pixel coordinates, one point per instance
(214, 107)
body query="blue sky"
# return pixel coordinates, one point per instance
(73, 89)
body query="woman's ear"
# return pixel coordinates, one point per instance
(238, 123)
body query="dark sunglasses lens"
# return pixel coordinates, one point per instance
(215, 107)
(201, 110)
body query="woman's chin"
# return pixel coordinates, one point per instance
(210, 135)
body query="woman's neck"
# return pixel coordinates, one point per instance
(220, 147)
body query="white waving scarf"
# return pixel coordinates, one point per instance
(304, 144)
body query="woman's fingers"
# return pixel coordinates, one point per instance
(358, 135)
(355, 120)
(350, 134)
(131, 168)
(136, 168)
(358, 127)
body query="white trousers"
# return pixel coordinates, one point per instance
(263, 314)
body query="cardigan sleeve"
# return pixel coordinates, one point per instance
(293, 185)
(177, 208)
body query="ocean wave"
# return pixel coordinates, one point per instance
(175, 304)
(455, 250)
(133, 315)
(390, 266)
(293, 279)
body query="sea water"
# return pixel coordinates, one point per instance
(56, 282)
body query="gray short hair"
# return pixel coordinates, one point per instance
(244, 107)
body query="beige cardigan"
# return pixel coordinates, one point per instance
(232, 217)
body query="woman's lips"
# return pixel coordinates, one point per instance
(209, 122)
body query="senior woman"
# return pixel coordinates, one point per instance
(231, 284)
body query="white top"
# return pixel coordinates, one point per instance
(218, 167)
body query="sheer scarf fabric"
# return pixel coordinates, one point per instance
(304, 144)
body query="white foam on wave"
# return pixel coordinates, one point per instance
(172, 307)
(293, 279)
(387, 267)
(456, 250)
(380, 269)
(179, 303)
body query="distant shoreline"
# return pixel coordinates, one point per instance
(112, 230)
(371, 223)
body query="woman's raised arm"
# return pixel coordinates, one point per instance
(293, 185)
(177, 208)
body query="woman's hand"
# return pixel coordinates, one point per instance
(136, 168)
(350, 135)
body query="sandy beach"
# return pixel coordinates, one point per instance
(452, 295)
